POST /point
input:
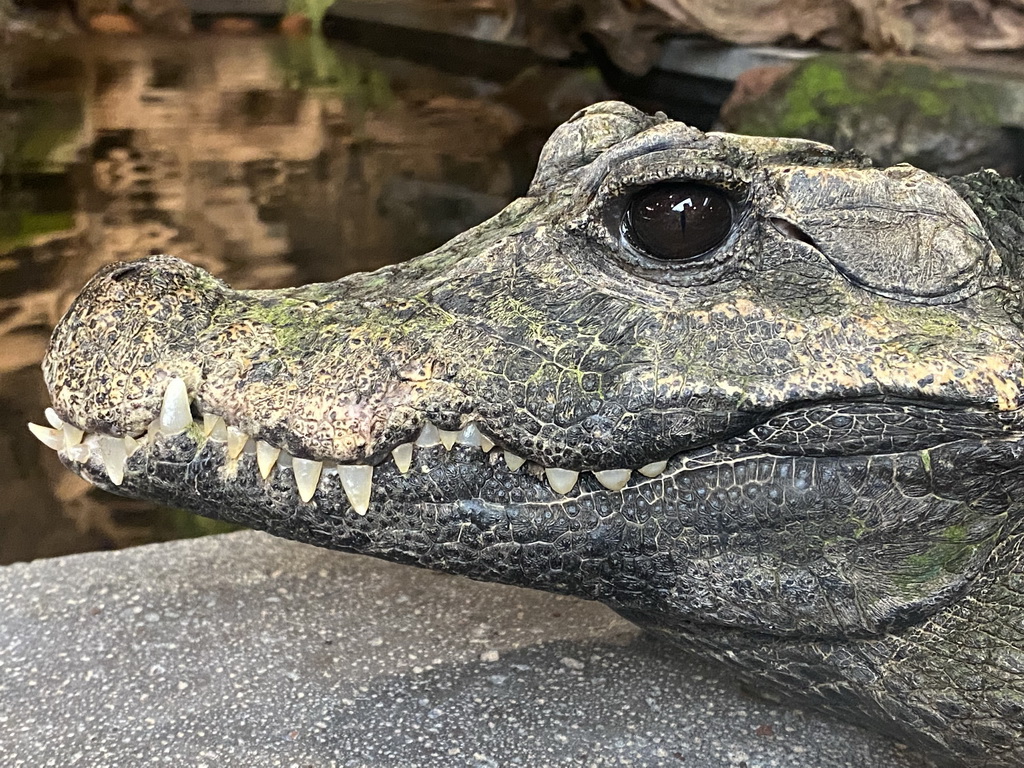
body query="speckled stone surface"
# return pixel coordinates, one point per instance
(245, 650)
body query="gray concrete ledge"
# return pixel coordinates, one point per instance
(245, 650)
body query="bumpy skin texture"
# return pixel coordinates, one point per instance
(837, 389)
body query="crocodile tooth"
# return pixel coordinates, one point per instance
(486, 444)
(403, 457)
(561, 480)
(266, 456)
(51, 416)
(210, 423)
(447, 438)
(469, 435)
(514, 462)
(175, 413)
(613, 479)
(78, 453)
(307, 475)
(428, 436)
(219, 431)
(131, 445)
(236, 442)
(51, 438)
(72, 435)
(357, 480)
(114, 455)
(653, 469)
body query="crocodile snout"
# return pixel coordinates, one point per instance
(132, 328)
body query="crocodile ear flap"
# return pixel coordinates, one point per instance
(898, 232)
(584, 137)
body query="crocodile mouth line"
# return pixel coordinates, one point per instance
(176, 417)
(179, 414)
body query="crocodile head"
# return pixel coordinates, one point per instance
(755, 394)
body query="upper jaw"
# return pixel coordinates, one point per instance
(107, 459)
(366, 393)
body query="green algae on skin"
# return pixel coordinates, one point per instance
(948, 555)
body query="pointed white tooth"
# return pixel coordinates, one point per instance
(219, 431)
(114, 454)
(514, 462)
(236, 442)
(357, 480)
(175, 414)
(486, 444)
(428, 436)
(51, 438)
(72, 435)
(307, 475)
(131, 445)
(78, 453)
(653, 469)
(52, 417)
(447, 438)
(469, 435)
(613, 479)
(266, 456)
(210, 423)
(561, 480)
(403, 457)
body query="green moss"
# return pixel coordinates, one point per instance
(818, 84)
(931, 104)
(930, 323)
(21, 229)
(311, 64)
(820, 95)
(314, 10)
(178, 524)
(957, 533)
(46, 136)
(948, 555)
(283, 317)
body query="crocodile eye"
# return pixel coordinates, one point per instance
(677, 221)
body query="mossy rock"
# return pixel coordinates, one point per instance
(895, 110)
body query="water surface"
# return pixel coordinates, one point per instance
(268, 161)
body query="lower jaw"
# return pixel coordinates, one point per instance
(712, 518)
(437, 468)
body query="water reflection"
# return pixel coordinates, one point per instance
(267, 161)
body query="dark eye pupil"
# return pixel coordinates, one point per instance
(678, 221)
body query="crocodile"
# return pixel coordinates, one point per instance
(759, 396)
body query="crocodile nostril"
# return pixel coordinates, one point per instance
(126, 271)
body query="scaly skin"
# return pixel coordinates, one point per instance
(836, 388)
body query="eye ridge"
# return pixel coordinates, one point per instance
(678, 221)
